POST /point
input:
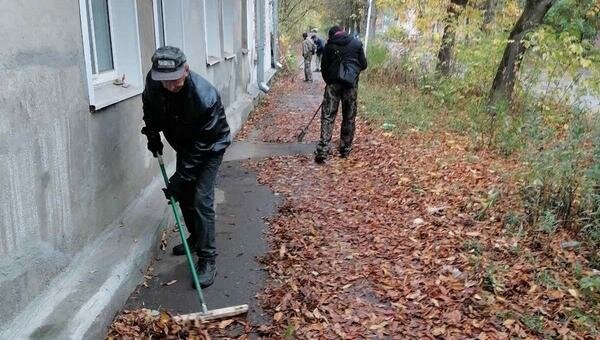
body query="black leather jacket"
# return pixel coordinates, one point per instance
(351, 50)
(193, 121)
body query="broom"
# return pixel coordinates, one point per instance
(305, 130)
(205, 315)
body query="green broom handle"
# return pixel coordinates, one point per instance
(188, 254)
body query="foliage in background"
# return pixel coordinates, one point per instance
(548, 127)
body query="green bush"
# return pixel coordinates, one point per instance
(377, 54)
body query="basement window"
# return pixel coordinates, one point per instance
(112, 51)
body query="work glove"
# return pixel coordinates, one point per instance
(176, 186)
(155, 145)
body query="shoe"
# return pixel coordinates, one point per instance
(207, 271)
(344, 154)
(178, 250)
(320, 159)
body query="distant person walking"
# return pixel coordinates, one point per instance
(319, 44)
(308, 49)
(343, 60)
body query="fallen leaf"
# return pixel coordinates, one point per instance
(225, 323)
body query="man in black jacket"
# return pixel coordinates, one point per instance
(340, 49)
(188, 110)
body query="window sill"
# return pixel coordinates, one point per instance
(229, 56)
(107, 94)
(211, 61)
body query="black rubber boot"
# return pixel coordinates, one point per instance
(179, 251)
(320, 159)
(207, 271)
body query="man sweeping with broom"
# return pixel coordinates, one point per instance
(189, 112)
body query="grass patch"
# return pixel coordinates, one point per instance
(473, 246)
(401, 108)
(534, 322)
(547, 279)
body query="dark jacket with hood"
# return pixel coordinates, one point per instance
(319, 44)
(193, 121)
(350, 50)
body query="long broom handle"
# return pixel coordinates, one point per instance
(188, 253)
(313, 118)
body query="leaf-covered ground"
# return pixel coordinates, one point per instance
(410, 237)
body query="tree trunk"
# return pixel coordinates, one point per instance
(454, 10)
(531, 18)
(489, 14)
(373, 23)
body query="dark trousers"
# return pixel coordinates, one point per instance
(197, 205)
(334, 94)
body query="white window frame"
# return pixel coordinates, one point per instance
(213, 59)
(157, 28)
(155, 4)
(106, 76)
(126, 51)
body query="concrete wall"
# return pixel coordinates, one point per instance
(68, 174)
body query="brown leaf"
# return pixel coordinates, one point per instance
(455, 316)
(225, 323)
(438, 331)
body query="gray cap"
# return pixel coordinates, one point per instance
(168, 63)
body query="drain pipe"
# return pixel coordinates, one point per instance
(260, 45)
(276, 34)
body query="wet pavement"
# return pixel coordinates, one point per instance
(241, 206)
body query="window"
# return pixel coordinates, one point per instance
(168, 23)
(244, 21)
(111, 49)
(229, 23)
(100, 42)
(212, 31)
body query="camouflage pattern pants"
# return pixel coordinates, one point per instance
(307, 70)
(334, 93)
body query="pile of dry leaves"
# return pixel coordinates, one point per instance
(407, 237)
(149, 324)
(411, 237)
(284, 112)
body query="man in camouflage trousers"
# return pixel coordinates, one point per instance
(308, 49)
(340, 47)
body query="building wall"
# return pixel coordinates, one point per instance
(68, 174)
